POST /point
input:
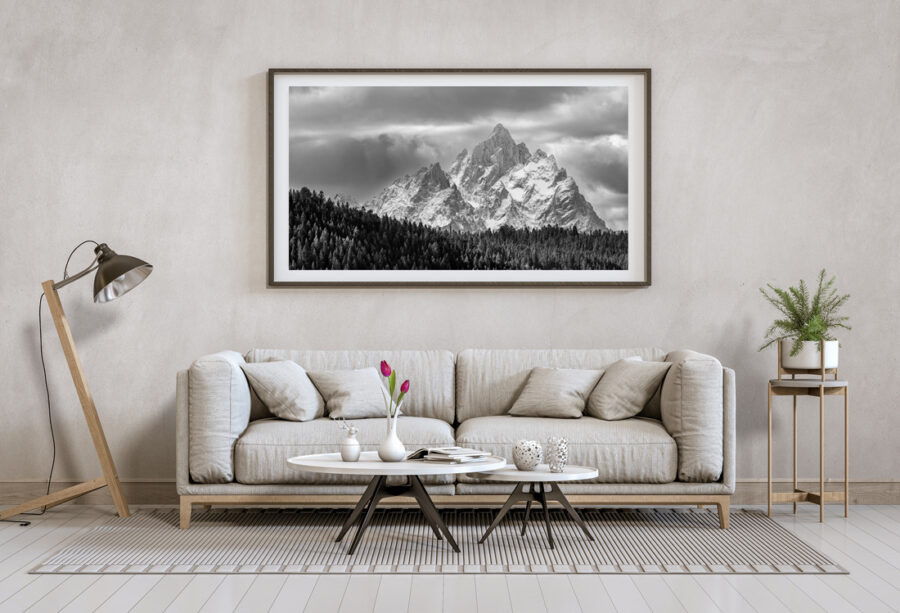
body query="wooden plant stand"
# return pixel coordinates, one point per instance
(820, 386)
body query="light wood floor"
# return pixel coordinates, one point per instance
(867, 544)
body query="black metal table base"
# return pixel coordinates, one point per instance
(541, 494)
(378, 489)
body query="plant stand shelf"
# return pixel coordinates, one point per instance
(819, 388)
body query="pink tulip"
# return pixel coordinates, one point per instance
(385, 369)
(405, 386)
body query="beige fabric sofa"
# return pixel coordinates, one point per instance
(230, 450)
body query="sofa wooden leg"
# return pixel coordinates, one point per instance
(724, 513)
(185, 512)
(206, 507)
(701, 506)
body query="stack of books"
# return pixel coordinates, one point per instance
(449, 455)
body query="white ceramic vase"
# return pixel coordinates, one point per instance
(527, 454)
(350, 448)
(810, 355)
(391, 449)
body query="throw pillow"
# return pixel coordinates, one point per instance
(555, 392)
(625, 388)
(285, 389)
(351, 394)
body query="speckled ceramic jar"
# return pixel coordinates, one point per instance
(527, 454)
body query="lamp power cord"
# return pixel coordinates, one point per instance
(47, 390)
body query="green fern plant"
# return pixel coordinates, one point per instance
(804, 318)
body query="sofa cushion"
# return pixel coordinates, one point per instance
(555, 392)
(488, 381)
(431, 373)
(285, 389)
(219, 400)
(351, 394)
(633, 450)
(691, 407)
(625, 388)
(260, 455)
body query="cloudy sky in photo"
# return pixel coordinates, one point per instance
(356, 140)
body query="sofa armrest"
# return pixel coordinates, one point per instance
(182, 436)
(218, 412)
(729, 429)
(692, 409)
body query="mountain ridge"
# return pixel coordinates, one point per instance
(498, 183)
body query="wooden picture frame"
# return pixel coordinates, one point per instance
(487, 233)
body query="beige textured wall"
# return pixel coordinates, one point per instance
(776, 143)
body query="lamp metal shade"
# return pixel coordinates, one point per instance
(117, 274)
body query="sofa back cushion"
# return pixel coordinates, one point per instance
(219, 399)
(556, 392)
(285, 389)
(351, 394)
(626, 388)
(488, 381)
(691, 404)
(431, 373)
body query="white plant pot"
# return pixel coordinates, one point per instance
(809, 356)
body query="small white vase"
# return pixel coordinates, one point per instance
(350, 448)
(810, 356)
(391, 449)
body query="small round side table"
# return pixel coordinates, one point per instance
(819, 388)
(539, 490)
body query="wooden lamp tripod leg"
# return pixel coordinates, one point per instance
(110, 477)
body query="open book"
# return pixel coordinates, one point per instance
(449, 455)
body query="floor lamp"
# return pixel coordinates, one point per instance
(116, 275)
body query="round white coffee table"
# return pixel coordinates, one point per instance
(370, 464)
(538, 483)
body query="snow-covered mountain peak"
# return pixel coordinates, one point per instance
(540, 159)
(499, 183)
(499, 151)
(433, 176)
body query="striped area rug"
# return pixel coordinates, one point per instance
(399, 541)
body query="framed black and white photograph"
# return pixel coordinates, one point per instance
(433, 177)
